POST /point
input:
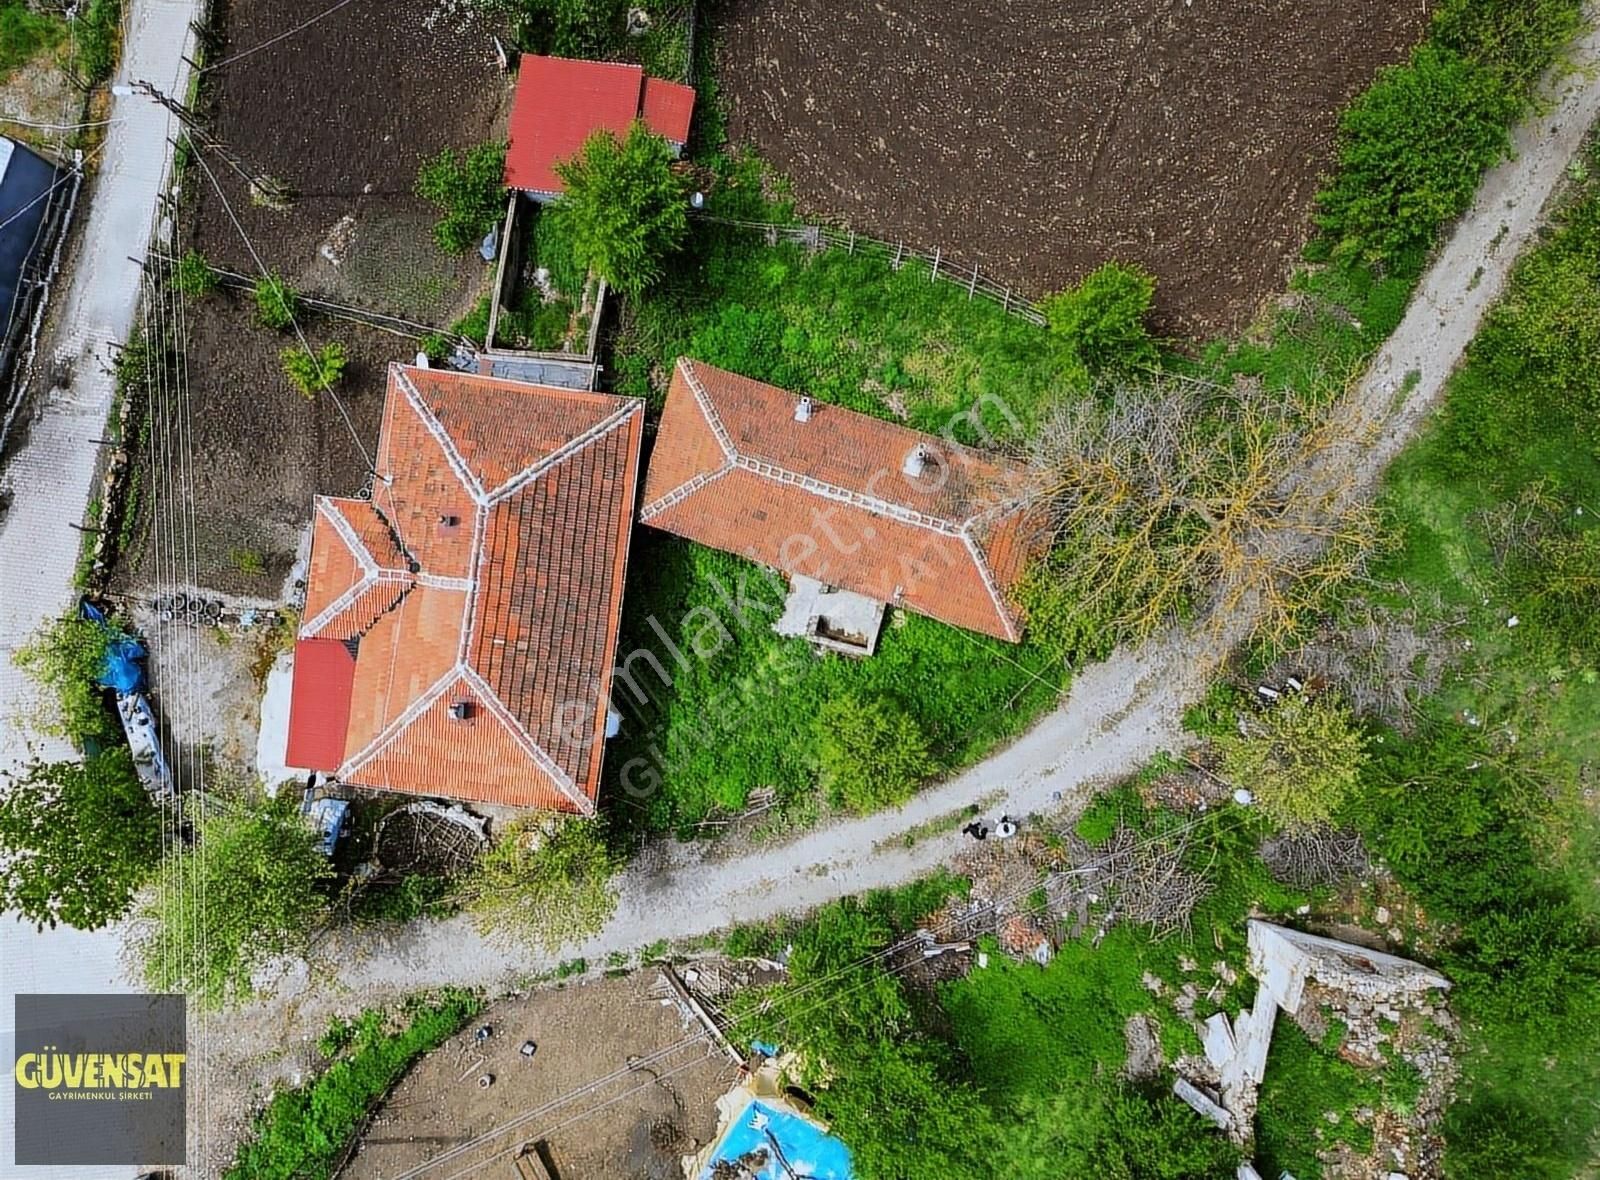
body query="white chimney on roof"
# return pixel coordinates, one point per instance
(916, 460)
(802, 410)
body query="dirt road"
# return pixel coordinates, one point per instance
(1118, 715)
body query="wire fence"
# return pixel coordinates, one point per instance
(897, 254)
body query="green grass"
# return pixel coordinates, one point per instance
(25, 34)
(303, 1133)
(855, 332)
(1303, 1083)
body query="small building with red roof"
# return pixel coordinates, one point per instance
(460, 626)
(560, 102)
(839, 498)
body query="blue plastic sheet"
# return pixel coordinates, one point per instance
(123, 669)
(804, 1151)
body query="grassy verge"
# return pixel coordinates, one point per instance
(303, 1134)
(25, 34)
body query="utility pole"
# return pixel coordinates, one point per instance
(264, 188)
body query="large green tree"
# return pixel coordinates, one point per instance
(545, 882)
(624, 208)
(249, 890)
(77, 839)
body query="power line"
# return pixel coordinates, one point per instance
(271, 41)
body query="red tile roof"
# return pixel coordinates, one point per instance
(828, 498)
(486, 572)
(561, 102)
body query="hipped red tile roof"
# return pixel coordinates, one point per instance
(480, 590)
(828, 498)
(560, 102)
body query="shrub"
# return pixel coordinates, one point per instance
(25, 33)
(872, 753)
(304, 1132)
(475, 324)
(311, 373)
(623, 210)
(1517, 39)
(76, 840)
(436, 347)
(194, 277)
(545, 882)
(247, 891)
(566, 28)
(277, 303)
(1300, 758)
(1411, 151)
(66, 658)
(1103, 317)
(97, 38)
(468, 189)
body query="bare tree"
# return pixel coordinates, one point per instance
(1178, 496)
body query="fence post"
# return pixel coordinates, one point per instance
(973, 285)
(1007, 304)
(899, 249)
(935, 274)
(851, 249)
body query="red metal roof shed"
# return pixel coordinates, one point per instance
(560, 102)
(319, 703)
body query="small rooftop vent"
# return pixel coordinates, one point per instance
(916, 461)
(461, 710)
(802, 410)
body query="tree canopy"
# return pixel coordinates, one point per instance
(66, 658)
(77, 839)
(872, 753)
(247, 891)
(545, 882)
(1301, 758)
(624, 208)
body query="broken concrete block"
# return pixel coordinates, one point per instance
(1203, 1105)
(1217, 1037)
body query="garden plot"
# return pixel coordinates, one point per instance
(636, 1126)
(1037, 139)
(343, 116)
(260, 450)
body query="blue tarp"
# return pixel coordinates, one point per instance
(807, 1151)
(123, 670)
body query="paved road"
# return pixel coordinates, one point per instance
(53, 473)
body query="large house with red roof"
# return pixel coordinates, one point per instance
(560, 102)
(460, 627)
(839, 498)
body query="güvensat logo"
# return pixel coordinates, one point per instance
(99, 1079)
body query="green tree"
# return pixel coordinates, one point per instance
(468, 188)
(194, 277)
(276, 303)
(1412, 148)
(1300, 758)
(66, 658)
(624, 209)
(1103, 317)
(545, 882)
(311, 373)
(871, 752)
(76, 840)
(251, 888)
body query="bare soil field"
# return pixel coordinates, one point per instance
(260, 449)
(634, 1129)
(1037, 138)
(344, 114)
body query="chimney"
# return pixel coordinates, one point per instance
(461, 711)
(449, 522)
(916, 460)
(802, 410)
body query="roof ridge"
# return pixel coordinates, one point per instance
(400, 724)
(562, 453)
(434, 427)
(523, 738)
(986, 572)
(684, 490)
